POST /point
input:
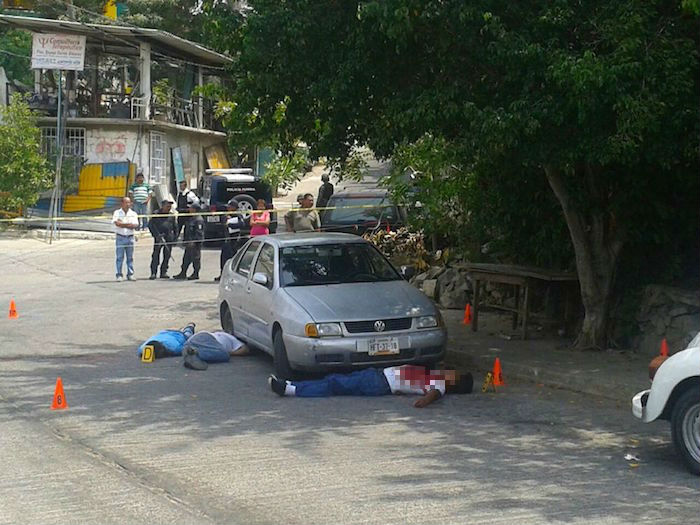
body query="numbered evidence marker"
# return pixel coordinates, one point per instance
(488, 382)
(148, 355)
(59, 397)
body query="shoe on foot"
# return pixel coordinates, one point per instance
(152, 277)
(277, 385)
(180, 276)
(193, 277)
(217, 279)
(164, 276)
(193, 361)
(119, 278)
(130, 277)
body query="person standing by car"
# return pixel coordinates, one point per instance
(125, 221)
(164, 231)
(306, 219)
(260, 220)
(184, 197)
(232, 234)
(325, 192)
(140, 193)
(194, 238)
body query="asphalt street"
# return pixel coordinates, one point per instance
(157, 443)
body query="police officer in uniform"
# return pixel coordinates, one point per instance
(164, 231)
(194, 238)
(184, 197)
(232, 234)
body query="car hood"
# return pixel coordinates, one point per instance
(361, 301)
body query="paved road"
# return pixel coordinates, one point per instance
(156, 443)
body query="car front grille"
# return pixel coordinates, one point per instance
(390, 325)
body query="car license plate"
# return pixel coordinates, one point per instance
(383, 346)
(212, 218)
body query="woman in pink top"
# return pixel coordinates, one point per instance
(260, 220)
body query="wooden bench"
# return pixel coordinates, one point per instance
(521, 277)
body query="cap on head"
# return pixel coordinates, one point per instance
(325, 177)
(166, 201)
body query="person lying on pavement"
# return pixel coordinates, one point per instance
(431, 385)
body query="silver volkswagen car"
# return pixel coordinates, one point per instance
(318, 301)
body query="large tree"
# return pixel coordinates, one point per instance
(600, 98)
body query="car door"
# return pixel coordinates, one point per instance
(259, 298)
(239, 282)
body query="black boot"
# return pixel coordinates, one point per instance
(193, 277)
(180, 276)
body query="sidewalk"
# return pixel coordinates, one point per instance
(612, 375)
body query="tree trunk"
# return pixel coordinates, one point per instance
(597, 244)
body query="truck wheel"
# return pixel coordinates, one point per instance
(685, 428)
(281, 362)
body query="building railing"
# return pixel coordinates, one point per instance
(132, 107)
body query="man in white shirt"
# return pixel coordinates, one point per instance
(125, 221)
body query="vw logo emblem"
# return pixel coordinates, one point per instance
(379, 326)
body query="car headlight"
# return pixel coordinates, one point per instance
(427, 321)
(323, 330)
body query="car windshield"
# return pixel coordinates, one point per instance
(358, 210)
(334, 264)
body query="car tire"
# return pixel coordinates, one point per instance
(245, 203)
(685, 428)
(280, 360)
(226, 319)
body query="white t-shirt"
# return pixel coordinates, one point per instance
(229, 342)
(411, 379)
(130, 217)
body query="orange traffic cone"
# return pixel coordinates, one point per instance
(467, 314)
(13, 310)
(59, 398)
(664, 347)
(497, 373)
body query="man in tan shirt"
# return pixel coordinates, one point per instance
(306, 219)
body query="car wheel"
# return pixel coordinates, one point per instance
(226, 319)
(281, 362)
(685, 428)
(246, 204)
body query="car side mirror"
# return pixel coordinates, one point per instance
(260, 278)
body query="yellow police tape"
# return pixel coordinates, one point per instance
(20, 220)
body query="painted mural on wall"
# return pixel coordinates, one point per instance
(109, 146)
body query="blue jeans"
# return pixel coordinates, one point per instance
(125, 245)
(367, 382)
(141, 208)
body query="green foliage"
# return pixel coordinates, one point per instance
(24, 172)
(15, 48)
(286, 170)
(600, 96)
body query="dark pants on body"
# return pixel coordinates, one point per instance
(228, 250)
(155, 258)
(367, 382)
(193, 255)
(181, 222)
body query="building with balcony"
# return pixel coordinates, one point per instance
(135, 105)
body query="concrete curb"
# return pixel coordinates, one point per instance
(577, 383)
(41, 234)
